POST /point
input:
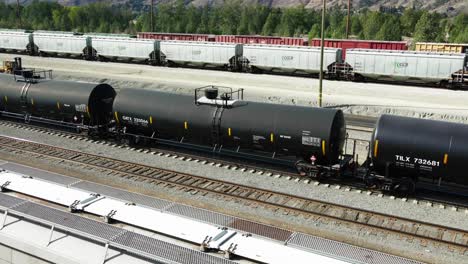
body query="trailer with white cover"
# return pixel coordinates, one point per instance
(16, 40)
(62, 44)
(205, 54)
(409, 66)
(289, 59)
(126, 48)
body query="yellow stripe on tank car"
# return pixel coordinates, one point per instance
(376, 148)
(6, 99)
(186, 125)
(323, 147)
(229, 131)
(58, 105)
(445, 159)
(116, 117)
(32, 101)
(151, 120)
(272, 138)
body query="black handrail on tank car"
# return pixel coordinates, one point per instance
(31, 75)
(227, 93)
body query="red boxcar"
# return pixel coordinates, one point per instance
(176, 36)
(243, 39)
(360, 44)
(257, 39)
(295, 41)
(247, 39)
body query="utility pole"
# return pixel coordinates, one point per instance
(151, 15)
(18, 13)
(348, 19)
(322, 44)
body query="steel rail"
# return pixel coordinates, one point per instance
(310, 208)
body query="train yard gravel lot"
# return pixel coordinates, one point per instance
(354, 98)
(398, 207)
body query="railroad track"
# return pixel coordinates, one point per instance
(358, 122)
(313, 210)
(229, 164)
(183, 154)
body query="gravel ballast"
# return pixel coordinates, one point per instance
(396, 207)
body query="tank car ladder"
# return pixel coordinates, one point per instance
(24, 93)
(216, 127)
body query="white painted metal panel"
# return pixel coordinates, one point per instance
(123, 47)
(404, 65)
(11, 40)
(272, 252)
(60, 43)
(221, 238)
(150, 219)
(251, 247)
(286, 58)
(184, 52)
(42, 189)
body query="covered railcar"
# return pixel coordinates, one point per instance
(64, 101)
(289, 59)
(63, 44)
(406, 149)
(16, 40)
(407, 66)
(201, 54)
(235, 125)
(126, 48)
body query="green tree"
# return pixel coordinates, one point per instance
(243, 28)
(428, 28)
(193, 19)
(271, 22)
(408, 21)
(337, 24)
(356, 26)
(457, 31)
(314, 31)
(372, 25)
(390, 30)
(179, 18)
(462, 36)
(204, 20)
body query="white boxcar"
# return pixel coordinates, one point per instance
(289, 58)
(201, 53)
(128, 48)
(409, 66)
(15, 40)
(61, 43)
(55, 33)
(108, 35)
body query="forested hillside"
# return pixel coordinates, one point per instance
(236, 18)
(441, 6)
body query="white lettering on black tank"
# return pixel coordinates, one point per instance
(309, 140)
